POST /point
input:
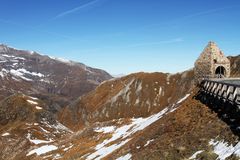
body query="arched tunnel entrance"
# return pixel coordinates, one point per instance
(220, 72)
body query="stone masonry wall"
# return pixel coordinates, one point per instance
(207, 63)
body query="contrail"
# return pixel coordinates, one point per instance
(76, 9)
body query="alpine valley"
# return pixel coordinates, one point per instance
(58, 109)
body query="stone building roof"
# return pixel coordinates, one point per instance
(211, 63)
(212, 53)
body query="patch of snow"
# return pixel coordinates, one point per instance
(37, 141)
(5, 134)
(45, 80)
(104, 151)
(148, 142)
(38, 108)
(42, 150)
(128, 97)
(173, 109)
(122, 93)
(22, 70)
(44, 130)
(194, 156)
(160, 91)
(57, 156)
(139, 88)
(19, 58)
(3, 72)
(168, 78)
(32, 102)
(183, 99)
(66, 149)
(148, 102)
(125, 157)
(30, 124)
(14, 78)
(224, 150)
(11, 58)
(69, 62)
(141, 123)
(47, 156)
(122, 133)
(8, 56)
(58, 127)
(14, 60)
(87, 69)
(137, 101)
(34, 98)
(107, 81)
(31, 52)
(108, 129)
(21, 73)
(17, 73)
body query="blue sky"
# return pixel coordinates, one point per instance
(122, 36)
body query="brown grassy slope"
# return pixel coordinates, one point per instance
(15, 112)
(16, 108)
(136, 95)
(20, 118)
(179, 134)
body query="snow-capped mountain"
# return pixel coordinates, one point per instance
(31, 73)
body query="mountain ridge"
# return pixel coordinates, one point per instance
(138, 116)
(39, 75)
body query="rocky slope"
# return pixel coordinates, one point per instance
(51, 79)
(136, 95)
(151, 116)
(25, 125)
(139, 116)
(140, 99)
(186, 130)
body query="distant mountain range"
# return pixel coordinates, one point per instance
(49, 78)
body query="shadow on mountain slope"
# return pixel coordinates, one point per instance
(226, 111)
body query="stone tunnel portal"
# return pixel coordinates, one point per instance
(220, 72)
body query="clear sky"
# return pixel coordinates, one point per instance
(122, 36)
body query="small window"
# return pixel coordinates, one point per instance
(215, 61)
